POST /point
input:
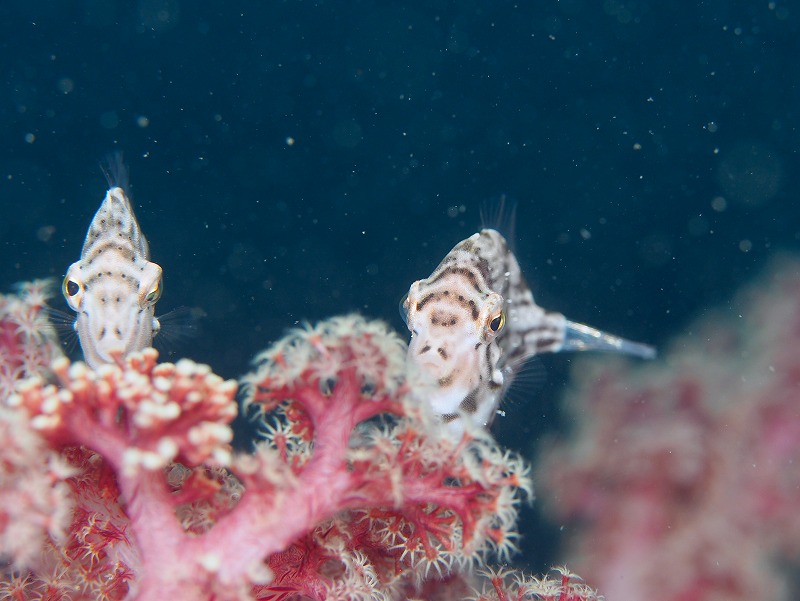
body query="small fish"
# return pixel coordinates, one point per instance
(474, 322)
(114, 286)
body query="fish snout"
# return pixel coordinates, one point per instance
(116, 354)
(432, 354)
(115, 340)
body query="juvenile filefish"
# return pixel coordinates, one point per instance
(114, 286)
(474, 322)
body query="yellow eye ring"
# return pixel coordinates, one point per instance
(70, 287)
(154, 294)
(497, 322)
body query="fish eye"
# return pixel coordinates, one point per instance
(154, 294)
(71, 287)
(497, 322)
(404, 308)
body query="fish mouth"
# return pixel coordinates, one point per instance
(115, 355)
(434, 367)
(96, 356)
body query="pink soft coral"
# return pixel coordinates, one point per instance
(353, 493)
(685, 476)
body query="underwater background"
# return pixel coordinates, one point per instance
(294, 160)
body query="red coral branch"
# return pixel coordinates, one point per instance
(354, 491)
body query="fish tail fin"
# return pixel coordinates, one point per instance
(580, 337)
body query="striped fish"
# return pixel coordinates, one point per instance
(114, 286)
(474, 322)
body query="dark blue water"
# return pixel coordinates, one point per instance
(294, 160)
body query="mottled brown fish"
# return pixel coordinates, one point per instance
(114, 286)
(474, 322)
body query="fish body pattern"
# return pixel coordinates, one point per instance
(114, 286)
(474, 322)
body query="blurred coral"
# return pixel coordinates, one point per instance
(121, 483)
(34, 499)
(681, 480)
(28, 342)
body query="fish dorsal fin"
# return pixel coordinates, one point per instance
(116, 171)
(500, 214)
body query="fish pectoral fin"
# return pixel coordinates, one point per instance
(580, 337)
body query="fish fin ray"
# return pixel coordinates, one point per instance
(500, 214)
(116, 171)
(177, 327)
(580, 337)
